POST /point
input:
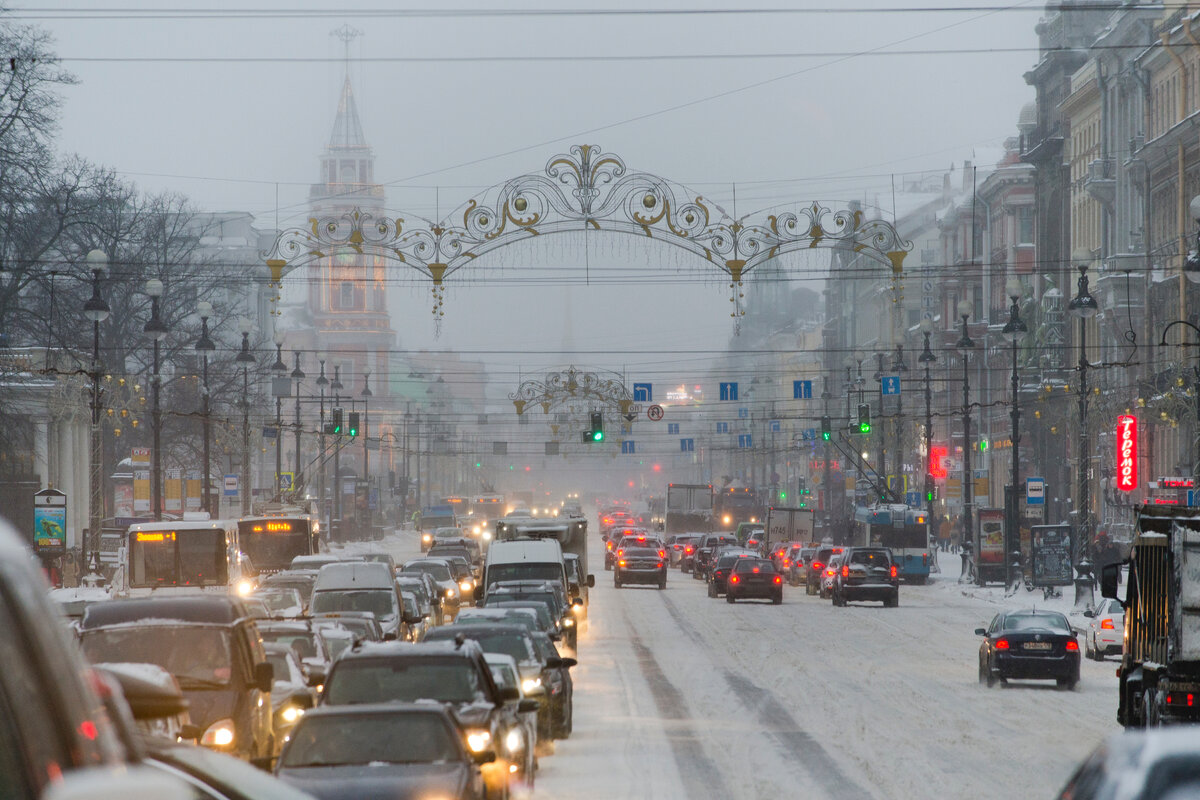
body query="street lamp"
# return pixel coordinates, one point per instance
(366, 396)
(964, 346)
(337, 387)
(322, 382)
(927, 357)
(1191, 266)
(157, 330)
(206, 346)
(245, 358)
(1083, 306)
(1195, 390)
(899, 367)
(297, 375)
(1013, 330)
(280, 386)
(97, 311)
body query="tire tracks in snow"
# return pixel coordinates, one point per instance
(781, 726)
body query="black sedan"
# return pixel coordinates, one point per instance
(754, 578)
(718, 576)
(1029, 644)
(641, 565)
(387, 750)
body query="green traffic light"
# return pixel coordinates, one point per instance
(826, 435)
(983, 445)
(597, 436)
(783, 495)
(864, 427)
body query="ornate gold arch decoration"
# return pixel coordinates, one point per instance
(587, 189)
(558, 389)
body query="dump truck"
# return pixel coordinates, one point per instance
(1160, 662)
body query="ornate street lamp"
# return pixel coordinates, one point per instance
(337, 387)
(322, 382)
(97, 310)
(1083, 306)
(964, 346)
(1013, 330)
(297, 375)
(366, 396)
(280, 386)
(206, 346)
(926, 358)
(1195, 389)
(245, 358)
(157, 331)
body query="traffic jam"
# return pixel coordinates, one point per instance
(253, 658)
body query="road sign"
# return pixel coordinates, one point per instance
(912, 499)
(687, 445)
(655, 413)
(890, 384)
(286, 479)
(643, 393)
(801, 390)
(1035, 491)
(729, 391)
(628, 448)
(231, 485)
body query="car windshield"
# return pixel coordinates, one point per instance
(278, 600)
(283, 672)
(503, 675)
(498, 573)
(510, 644)
(301, 583)
(399, 738)
(1045, 620)
(196, 656)
(405, 680)
(301, 642)
(380, 602)
(438, 570)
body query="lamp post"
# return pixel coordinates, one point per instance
(322, 382)
(337, 387)
(1013, 330)
(97, 311)
(206, 346)
(899, 367)
(280, 386)
(366, 396)
(1083, 306)
(927, 357)
(882, 458)
(157, 330)
(245, 358)
(297, 375)
(964, 346)
(1195, 390)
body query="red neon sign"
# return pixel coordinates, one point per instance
(1126, 453)
(936, 468)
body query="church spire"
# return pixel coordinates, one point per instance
(347, 129)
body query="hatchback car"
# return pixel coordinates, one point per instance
(1029, 643)
(1105, 631)
(817, 565)
(1140, 765)
(866, 573)
(718, 576)
(754, 578)
(643, 565)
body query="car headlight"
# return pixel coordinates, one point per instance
(727, 519)
(476, 530)
(487, 535)
(292, 713)
(568, 623)
(531, 685)
(245, 587)
(219, 734)
(514, 742)
(451, 593)
(466, 586)
(478, 740)
(427, 538)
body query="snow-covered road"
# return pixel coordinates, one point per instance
(681, 696)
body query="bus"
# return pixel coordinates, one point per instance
(901, 529)
(185, 555)
(485, 510)
(271, 541)
(734, 505)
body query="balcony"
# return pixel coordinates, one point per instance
(1101, 181)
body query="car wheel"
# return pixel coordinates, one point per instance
(662, 583)
(893, 601)
(777, 599)
(616, 581)
(607, 565)
(729, 598)
(991, 677)
(712, 590)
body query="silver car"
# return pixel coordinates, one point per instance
(1105, 631)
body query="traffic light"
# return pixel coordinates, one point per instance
(353, 424)
(930, 489)
(826, 428)
(864, 418)
(782, 495)
(983, 445)
(597, 426)
(335, 427)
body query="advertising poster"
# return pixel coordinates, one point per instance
(195, 491)
(1051, 555)
(991, 536)
(50, 521)
(173, 490)
(123, 500)
(141, 491)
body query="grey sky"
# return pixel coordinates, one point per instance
(232, 135)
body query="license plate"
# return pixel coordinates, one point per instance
(1036, 646)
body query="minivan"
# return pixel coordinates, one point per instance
(359, 586)
(522, 560)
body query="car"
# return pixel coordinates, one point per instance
(359, 586)
(1152, 763)
(213, 648)
(314, 561)
(363, 624)
(785, 555)
(828, 576)
(451, 671)
(305, 642)
(383, 750)
(292, 690)
(800, 565)
(816, 567)
(416, 616)
(644, 565)
(866, 573)
(429, 597)
(282, 602)
(705, 549)
(754, 578)
(550, 593)
(537, 609)
(687, 558)
(1105, 631)
(719, 574)
(577, 585)
(301, 580)
(675, 545)
(1029, 643)
(750, 534)
(381, 558)
(448, 591)
(210, 775)
(520, 745)
(559, 685)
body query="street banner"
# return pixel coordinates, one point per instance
(174, 491)
(195, 490)
(141, 491)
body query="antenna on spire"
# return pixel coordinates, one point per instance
(347, 34)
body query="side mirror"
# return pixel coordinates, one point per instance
(568, 662)
(578, 601)
(510, 693)
(981, 631)
(1089, 613)
(553, 662)
(478, 593)
(1110, 576)
(264, 676)
(190, 733)
(591, 581)
(527, 706)
(486, 757)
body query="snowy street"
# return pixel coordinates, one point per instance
(680, 695)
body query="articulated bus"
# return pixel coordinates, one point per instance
(185, 555)
(904, 530)
(271, 541)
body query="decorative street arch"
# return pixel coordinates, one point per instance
(561, 389)
(583, 189)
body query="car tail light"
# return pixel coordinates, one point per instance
(786, 563)
(893, 570)
(662, 553)
(755, 569)
(1002, 644)
(1106, 624)
(609, 545)
(1180, 699)
(830, 572)
(620, 552)
(621, 563)
(734, 579)
(687, 549)
(778, 579)
(846, 571)
(660, 565)
(1072, 646)
(817, 565)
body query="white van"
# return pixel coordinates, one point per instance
(358, 586)
(185, 555)
(523, 560)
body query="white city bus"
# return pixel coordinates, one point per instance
(186, 555)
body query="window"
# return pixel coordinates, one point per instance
(1025, 225)
(346, 295)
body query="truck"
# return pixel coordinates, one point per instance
(1160, 663)
(787, 525)
(569, 529)
(734, 505)
(689, 507)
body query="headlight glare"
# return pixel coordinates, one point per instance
(478, 740)
(514, 742)
(531, 685)
(292, 713)
(219, 734)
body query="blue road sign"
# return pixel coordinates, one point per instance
(722, 427)
(745, 440)
(687, 445)
(912, 499)
(230, 485)
(729, 391)
(891, 384)
(672, 428)
(1035, 491)
(802, 390)
(643, 393)
(627, 447)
